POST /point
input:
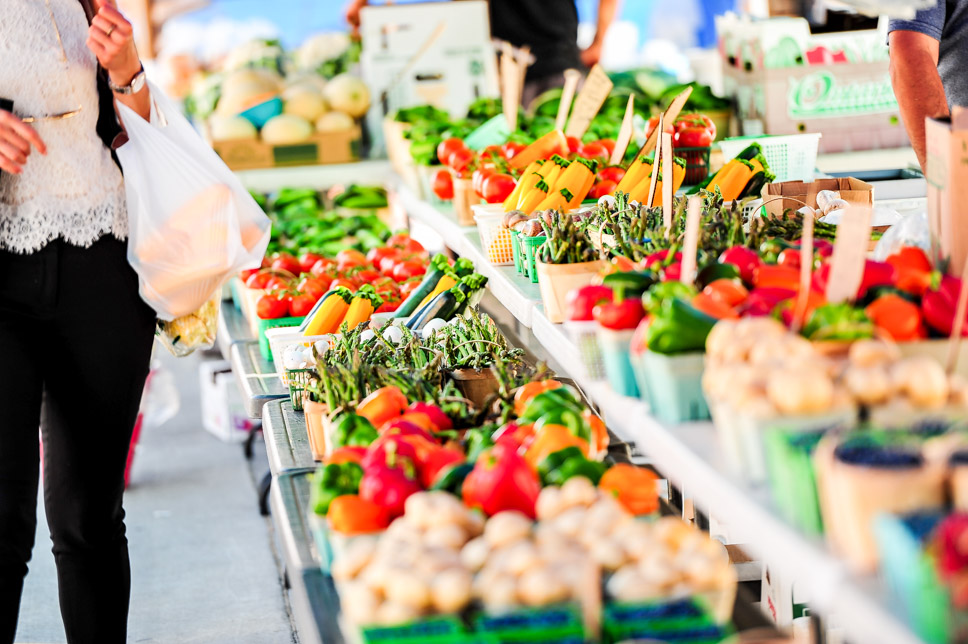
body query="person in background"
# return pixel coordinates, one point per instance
(549, 28)
(929, 56)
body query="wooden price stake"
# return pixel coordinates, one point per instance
(850, 254)
(590, 98)
(690, 245)
(655, 164)
(572, 76)
(624, 134)
(667, 164)
(954, 344)
(509, 86)
(806, 274)
(670, 115)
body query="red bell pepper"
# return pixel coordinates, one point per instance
(435, 413)
(515, 434)
(672, 272)
(400, 427)
(776, 276)
(389, 483)
(762, 301)
(437, 461)
(580, 302)
(743, 258)
(939, 305)
(502, 480)
(378, 450)
(875, 274)
(620, 316)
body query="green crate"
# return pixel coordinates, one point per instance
(697, 164)
(793, 479)
(444, 628)
(684, 620)
(298, 380)
(530, 246)
(265, 325)
(557, 624)
(516, 251)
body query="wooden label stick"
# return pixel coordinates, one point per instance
(850, 254)
(671, 115)
(572, 76)
(806, 274)
(655, 166)
(624, 134)
(509, 79)
(691, 242)
(667, 181)
(589, 101)
(954, 344)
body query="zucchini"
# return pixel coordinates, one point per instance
(442, 307)
(750, 152)
(438, 268)
(472, 286)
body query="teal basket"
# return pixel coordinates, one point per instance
(793, 478)
(674, 385)
(558, 624)
(530, 247)
(617, 360)
(681, 620)
(912, 579)
(516, 251)
(265, 325)
(234, 287)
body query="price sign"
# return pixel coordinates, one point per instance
(624, 134)
(691, 243)
(667, 180)
(850, 254)
(955, 343)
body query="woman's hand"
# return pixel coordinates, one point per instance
(16, 138)
(111, 38)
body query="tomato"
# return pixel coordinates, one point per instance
(447, 147)
(408, 287)
(694, 118)
(323, 267)
(385, 286)
(276, 282)
(574, 144)
(365, 275)
(301, 305)
(608, 144)
(406, 242)
(695, 136)
(612, 173)
(273, 306)
(377, 254)
(410, 268)
(312, 286)
(594, 150)
(389, 305)
(259, 280)
(492, 152)
(307, 261)
(479, 176)
(789, 257)
(511, 148)
(620, 315)
(497, 187)
(601, 189)
(350, 258)
(246, 274)
(654, 123)
(345, 283)
(284, 262)
(443, 185)
(460, 160)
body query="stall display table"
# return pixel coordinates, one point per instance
(287, 441)
(256, 376)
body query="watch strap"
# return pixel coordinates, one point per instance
(137, 82)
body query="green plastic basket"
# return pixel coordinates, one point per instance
(617, 360)
(298, 380)
(793, 479)
(560, 624)
(444, 628)
(265, 325)
(530, 247)
(674, 385)
(516, 251)
(681, 620)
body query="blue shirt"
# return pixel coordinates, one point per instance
(947, 22)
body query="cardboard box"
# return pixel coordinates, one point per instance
(947, 146)
(436, 53)
(321, 148)
(223, 413)
(851, 190)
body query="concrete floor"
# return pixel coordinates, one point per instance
(204, 567)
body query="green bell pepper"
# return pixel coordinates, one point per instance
(333, 480)
(838, 322)
(549, 401)
(453, 479)
(564, 464)
(629, 284)
(477, 440)
(663, 291)
(353, 430)
(678, 327)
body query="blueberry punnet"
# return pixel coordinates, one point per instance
(863, 452)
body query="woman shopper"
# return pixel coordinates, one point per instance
(75, 336)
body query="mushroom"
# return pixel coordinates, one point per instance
(506, 527)
(450, 590)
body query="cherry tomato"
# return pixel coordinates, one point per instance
(284, 262)
(307, 261)
(272, 306)
(301, 305)
(477, 179)
(497, 187)
(259, 280)
(376, 254)
(410, 268)
(611, 173)
(387, 263)
(406, 244)
(447, 147)
(460, 160)
(276, 282)
(345, 283)
(594, 150)
(443, 185)
(350, 258)
(608, 144)
(325, 267)
(574, 144)
(511, 148)
(311, 286)
(601, 189)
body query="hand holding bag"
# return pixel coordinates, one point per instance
(191, 223)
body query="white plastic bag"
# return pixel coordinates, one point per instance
(191, 223)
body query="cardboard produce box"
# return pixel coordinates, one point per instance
(320, 148)
(947, 144)
(853, 191)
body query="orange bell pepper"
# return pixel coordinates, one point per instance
(713, 307)
(600, 439)
(730, 292)
(382, 405)
(346, 454)
(421, 420)
(525, 393)
(776, 276)
(898, 317)
(634, 487)
(550, 439)
(914, 270)
(351, 514)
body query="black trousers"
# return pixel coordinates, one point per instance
(75, 340)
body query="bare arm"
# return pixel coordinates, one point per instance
(606, 16)
(111, 38)
(352, 14)
(917, 84)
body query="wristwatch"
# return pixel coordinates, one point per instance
(135, 86)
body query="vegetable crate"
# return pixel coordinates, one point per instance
(674, 385)
(791, 157)
(495, 238)
(445, 628)
(615, 347)
(559, 624)
(793, 478)
(265, 325)
(697, 164)
(683, 620)
(585, 336)
(517, 252)
(530, 246)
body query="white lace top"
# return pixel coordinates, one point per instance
(76, 191)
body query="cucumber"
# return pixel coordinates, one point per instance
(443, 307)
(417, 296)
